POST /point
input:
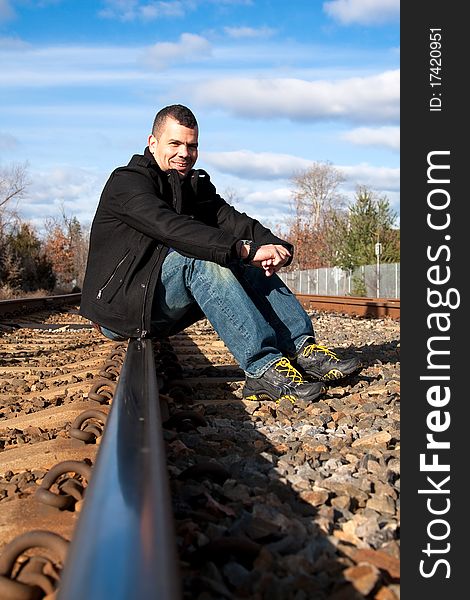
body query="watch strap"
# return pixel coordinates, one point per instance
(251, 254)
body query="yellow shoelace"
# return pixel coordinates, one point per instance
(284, 367)
(287, 397)
(311, 348)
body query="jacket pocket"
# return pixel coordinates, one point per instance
(114, 281)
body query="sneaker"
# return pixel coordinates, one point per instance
(320, 363)
(280, 381)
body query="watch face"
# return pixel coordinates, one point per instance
(247, 258)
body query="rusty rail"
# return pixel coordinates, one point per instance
(363, 307)
(124, 544)
(24, 305)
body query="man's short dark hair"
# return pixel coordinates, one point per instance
(179, 113)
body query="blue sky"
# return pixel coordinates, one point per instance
(274, 85)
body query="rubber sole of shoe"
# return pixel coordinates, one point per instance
(264, 396)
(259, 397)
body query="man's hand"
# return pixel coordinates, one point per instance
(270, 257)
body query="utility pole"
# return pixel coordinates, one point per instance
(378, 252)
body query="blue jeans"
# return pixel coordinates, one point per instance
(258, 318)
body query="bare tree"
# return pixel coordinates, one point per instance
(13, 183)
(66, 247)
(231, 195)
(316, 192)
(315, 198)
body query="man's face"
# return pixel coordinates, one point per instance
(176, 147)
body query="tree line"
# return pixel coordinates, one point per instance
(329, 232)
(325, 230)
(32, 263)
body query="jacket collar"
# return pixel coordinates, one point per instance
(151, 162)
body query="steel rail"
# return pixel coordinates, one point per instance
(21, 305)
(353, 305)
(124, 545)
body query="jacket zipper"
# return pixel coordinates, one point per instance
(101, 290)
(177, 200)
(144, 332)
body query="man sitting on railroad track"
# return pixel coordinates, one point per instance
(167, 250)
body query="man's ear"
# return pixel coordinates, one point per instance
(152, 142)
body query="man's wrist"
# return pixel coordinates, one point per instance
(248, 250)
(243, 249)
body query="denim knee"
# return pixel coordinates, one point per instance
(112, 335)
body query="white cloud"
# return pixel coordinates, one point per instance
(6, 11)
(12, 43)
(28, 67)
(248, 165)
(77, 190)
(190, 47)
(25, 65)
(150, 10)
(30, 78)
(273, 206)
(377, 178)
(388, 137)
(132, 10)
(270, 206)
(275, 197)
(74, 189)
(256, 165)
(249, 32)
(369, 99)
(8, 141)
(362, 12)
(31, 66)
(232, 2)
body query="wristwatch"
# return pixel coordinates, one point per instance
(251, 254)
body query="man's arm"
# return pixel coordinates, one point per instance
(131, 198)
(270, 257)
(239, 223)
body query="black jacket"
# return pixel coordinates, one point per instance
(143, 212)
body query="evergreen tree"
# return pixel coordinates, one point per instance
(29, 268)
(353, 235)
